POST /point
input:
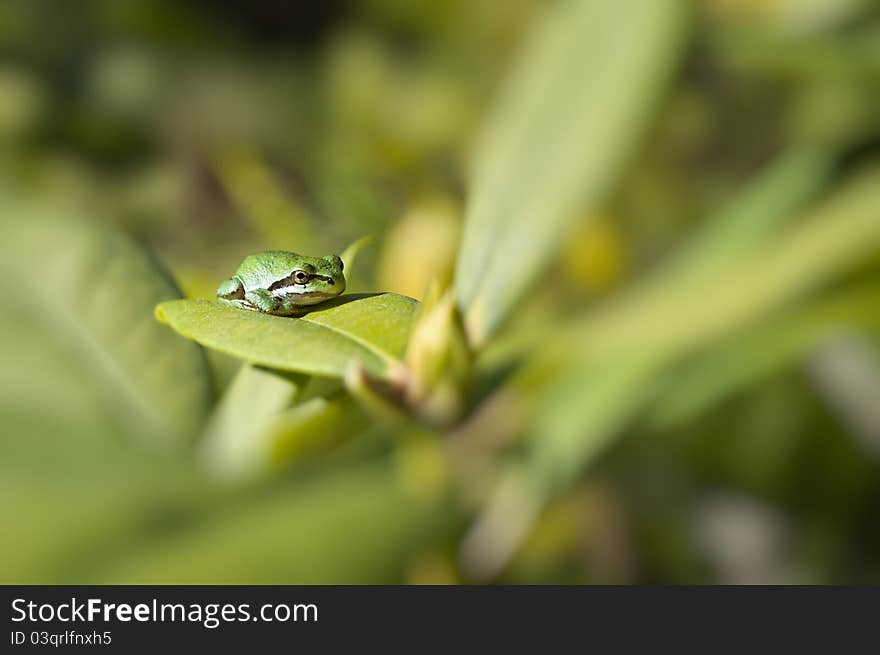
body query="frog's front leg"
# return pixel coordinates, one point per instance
(262, 300)
(287, 306)
(231, 292)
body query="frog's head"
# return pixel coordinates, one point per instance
(314, 280)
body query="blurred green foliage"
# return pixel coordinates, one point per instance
(620, 321)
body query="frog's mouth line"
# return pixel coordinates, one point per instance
(292, 291)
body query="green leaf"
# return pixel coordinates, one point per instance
(233, 442)
(257, 427)
(349, 255)
(370, 329)
(85, 293)
(768, 202)
(753, 356)
(314, 425)
(558, 138)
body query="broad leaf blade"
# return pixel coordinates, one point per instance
(763, 207)
(350, 254)
(313, 426)
(381, 321)
(371, 330)
(92, 299)
(755, 355)
(232, 444)
(558, 138)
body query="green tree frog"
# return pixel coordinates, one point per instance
(283, 283)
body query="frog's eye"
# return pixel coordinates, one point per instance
(300, 277)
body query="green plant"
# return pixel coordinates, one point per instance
(344, 444)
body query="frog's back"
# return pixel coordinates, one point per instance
(272, 264)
